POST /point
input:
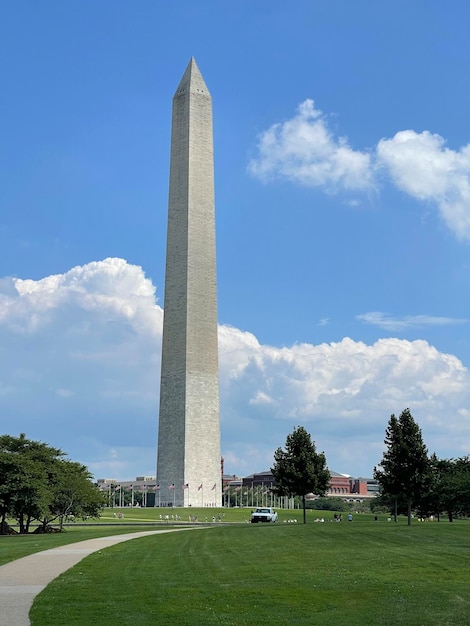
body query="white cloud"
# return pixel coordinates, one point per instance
(304, 150)
(421, 165)
(387, 322)
(75, 358)
(79, 368)
(261, 398)
(343, 393)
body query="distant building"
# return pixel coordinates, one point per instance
(101, 482)
(341, 486)
(352, 489)
(263, 479)
(366, 486)
(231, 480)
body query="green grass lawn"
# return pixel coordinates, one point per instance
(132, 520)
(157, 515)
(367, 572)
(16, 546)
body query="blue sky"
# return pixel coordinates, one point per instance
(342, 163)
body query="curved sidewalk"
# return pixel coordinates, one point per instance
(23, 579)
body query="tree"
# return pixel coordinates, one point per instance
(450, 491)
(38, 483)
(329, 504)
(28, 479)
(458, 500)
(300, 469)
(73, 494)
(405, 472)
(10, 470)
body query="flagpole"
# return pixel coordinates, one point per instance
(200, 488)
(116, 488)
(155, 489)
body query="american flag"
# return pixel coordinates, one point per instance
(200, 487)
(186, 486)
(156, 488)
(172, 486)
(215, 485)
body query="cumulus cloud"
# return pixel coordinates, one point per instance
(75, 359)
(387, 322)
(305, 150)
(79, 368)
(421, 165)
(343, 393)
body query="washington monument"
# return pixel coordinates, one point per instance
(188, 461)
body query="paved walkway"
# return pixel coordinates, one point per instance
(23, 579)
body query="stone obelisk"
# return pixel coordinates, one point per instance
(188, 461)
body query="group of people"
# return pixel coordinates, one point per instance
(338, 517)
(173, 517)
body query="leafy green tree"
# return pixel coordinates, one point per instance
(405, 470)
(300, 469)
(460, 495)
(28, 485)
(73, 494)
(450, 491)
(433, 503)
(37, 483)
(329, 504)
(394, 505)
(10, 476)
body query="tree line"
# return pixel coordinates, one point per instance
(411, 480)
(38, 484)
